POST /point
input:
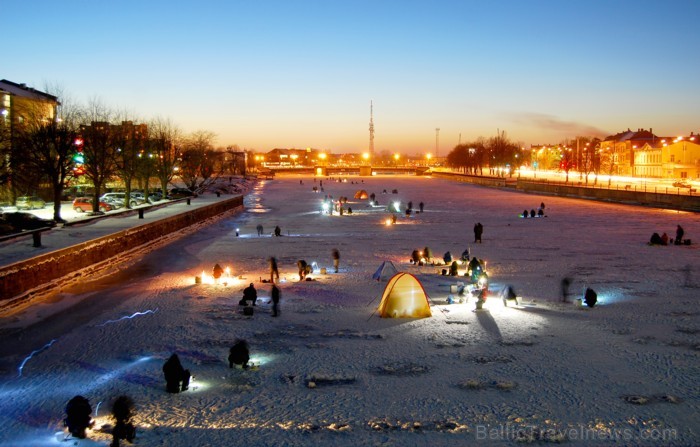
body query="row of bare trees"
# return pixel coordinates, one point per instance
(497, 154)
(501, 156)
(37, 153)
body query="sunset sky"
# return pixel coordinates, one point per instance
(265, 74)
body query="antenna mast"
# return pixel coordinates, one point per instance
(371, 129)
(437, 143)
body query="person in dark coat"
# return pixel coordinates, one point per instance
(454, 268)
(78, 418)
(336, 259)
(465, 255)
(239, 354)
(275, 294)
(590, 298)
(274, 272)
(525, 214)
(217, 272)
(250, 294)
(122, 410)
(301, 265)
(278, 231)
(656, 240)
(177, 378)
(532, 212)
(679, 235)
(447, 257)
(415, 257)
(478, 231)
(474, 269)
(420, 206)
(565, 283)
(508, 294)
(260, 229)
(427, 254)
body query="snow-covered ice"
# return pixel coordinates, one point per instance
(330, 372)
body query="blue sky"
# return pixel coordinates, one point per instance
(266, 74)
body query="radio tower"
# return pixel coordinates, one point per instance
(371, 130)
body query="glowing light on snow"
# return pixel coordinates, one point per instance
(226, 279)
(36, 351)
(262, 359)
(129, 317)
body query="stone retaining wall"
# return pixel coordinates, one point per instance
(21, 280)
(645, 198)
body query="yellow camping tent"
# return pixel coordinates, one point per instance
(361, 194)
(404, 297)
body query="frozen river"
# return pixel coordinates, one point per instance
(622, 373)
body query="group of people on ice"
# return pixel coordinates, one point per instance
(663, 239)
(532, 213)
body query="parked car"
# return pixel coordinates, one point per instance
(118, 199)
(139, 197)
(681, 184)
(84, 205)
(20, 221)
(155, 196)
(30, 203)
(180, 193)
(7, 207)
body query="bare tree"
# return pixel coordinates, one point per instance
(199, 160)
(49, 147)
(130, 140)
(99, 147)
(164, 138)
(502, 153)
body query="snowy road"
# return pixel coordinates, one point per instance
(545, 370)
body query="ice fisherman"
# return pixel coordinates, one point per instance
(239, 354)
(274, 272)
(123, 411)
(249, 294)
(336, 259)
(275, 295)
(78, 418)
(478, 231)
(177, 378)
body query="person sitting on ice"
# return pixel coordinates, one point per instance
(415, 257)
(427, 253)
(78, 418)
(177, 378)
(590, 298)
(301, 264)
(453, 268)
(540, 212)
(525, 214)
(249, 294)
(508, 294)
(465, 256)
(447, 257)
(239, 354)
(532, 212)
(217, 272)
(664, 239)
(656, 240)
(122, 410)
(474, 266)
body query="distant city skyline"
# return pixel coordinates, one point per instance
(282, 74)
